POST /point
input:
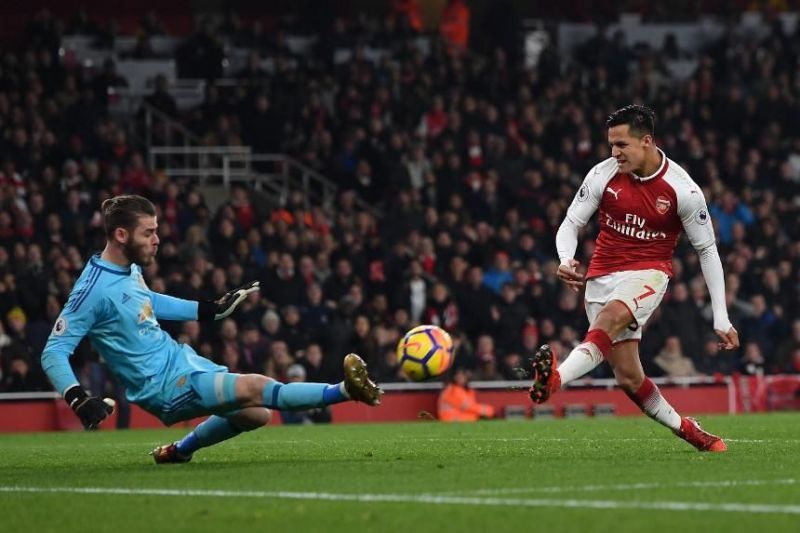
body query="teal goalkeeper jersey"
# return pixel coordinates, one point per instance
(114, 307)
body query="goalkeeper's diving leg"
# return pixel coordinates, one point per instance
(244, 402)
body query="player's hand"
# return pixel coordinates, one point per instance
(728, 340)
(226, 305)
(569, 274)
(90, 409)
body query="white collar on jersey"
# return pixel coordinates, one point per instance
(657, 172)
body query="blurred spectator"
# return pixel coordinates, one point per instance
(684, 319)
(475, 303)
(161, 100)
(712, 361)
(727, 212)
(455, 24)
(762, 327)
(457, 402)
(297, 374)
(442, 311)
(19, 378)
(486, 358)
(786, 355)
(672, 362)
(499, 274)
(752, 362)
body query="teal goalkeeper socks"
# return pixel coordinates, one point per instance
(298, 396)
(211, 431)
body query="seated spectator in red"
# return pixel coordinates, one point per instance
(136, 178)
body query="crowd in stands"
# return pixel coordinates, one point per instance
(471, 160)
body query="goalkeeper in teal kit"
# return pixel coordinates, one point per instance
(111, 304)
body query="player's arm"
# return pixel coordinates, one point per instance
(580, 211)
(73, 324)
(698, 226)
(168, 307)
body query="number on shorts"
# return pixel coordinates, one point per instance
(649, 292)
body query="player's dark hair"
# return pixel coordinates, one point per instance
(124, 212)
(641, 120)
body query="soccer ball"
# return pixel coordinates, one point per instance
(425, 352)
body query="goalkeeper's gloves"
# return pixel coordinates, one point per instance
(226, 305)
(90, 409)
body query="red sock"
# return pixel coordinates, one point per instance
(644, 394)
(599, 338)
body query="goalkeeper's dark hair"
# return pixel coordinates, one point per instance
(641, 120)
(124, 212)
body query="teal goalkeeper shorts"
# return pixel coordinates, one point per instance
(193, 386)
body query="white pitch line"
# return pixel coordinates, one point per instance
(730, 507)
(627, 486)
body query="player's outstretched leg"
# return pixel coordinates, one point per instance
(246, 396)
(650, 400)
(546, 379)
(357, 386)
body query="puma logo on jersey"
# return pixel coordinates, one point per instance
(615, 193)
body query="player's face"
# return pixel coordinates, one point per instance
(142, 243)
(627, 149)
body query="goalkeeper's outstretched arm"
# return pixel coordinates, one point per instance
(168, 307)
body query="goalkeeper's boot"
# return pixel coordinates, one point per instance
(357, 383)
(168, 453)
(691, 432)
(546, 379)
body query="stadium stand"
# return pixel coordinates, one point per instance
(435, 178)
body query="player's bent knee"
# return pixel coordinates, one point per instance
(249, 389)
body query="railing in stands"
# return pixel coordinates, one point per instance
(162, 130)
(274, 175)
(206, 164)
(178, 151)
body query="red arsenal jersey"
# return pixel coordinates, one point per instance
(640, 218)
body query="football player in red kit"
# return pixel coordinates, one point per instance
(644, 201)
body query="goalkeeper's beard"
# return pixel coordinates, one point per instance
(135, 253)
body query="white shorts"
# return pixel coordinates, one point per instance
(640, 290)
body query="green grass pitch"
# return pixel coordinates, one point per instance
(605, 474)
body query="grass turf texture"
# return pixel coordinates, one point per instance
(485, 475)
